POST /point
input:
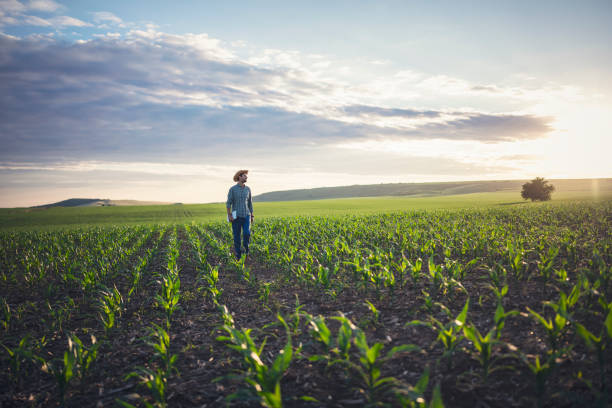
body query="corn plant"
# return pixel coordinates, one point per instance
(110, 306)
(336, 350)
(159, 339)
(169, 295)
(370, 364)
(60, 312)
(500, 318)
(414, 396)
(401, 267)
(83, 356)
(516, 254)
(375, 313)
(19, 355)
(542, 373)
(209, 278)
(556, 326)
(546, 262)
(483, 347)
(264, 380)
(5, 314)
(156, 379)
(264, 292)
(599, 344)
(62, 371)
(449, 334)
(415, 270)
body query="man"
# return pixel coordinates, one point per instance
(239, 201)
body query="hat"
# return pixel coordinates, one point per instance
(240, 173)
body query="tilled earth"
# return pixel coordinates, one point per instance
(204, 364)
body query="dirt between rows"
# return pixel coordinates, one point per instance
(205, 365)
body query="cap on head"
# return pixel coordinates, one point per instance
(240, 173)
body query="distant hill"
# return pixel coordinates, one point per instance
(428, 189)
(98, 202)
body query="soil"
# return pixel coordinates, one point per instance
(205, 365)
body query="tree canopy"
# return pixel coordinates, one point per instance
(537, 189)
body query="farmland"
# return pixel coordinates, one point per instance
(493, 304)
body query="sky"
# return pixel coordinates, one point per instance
(164, 101)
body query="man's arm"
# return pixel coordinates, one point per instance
(250, 204)
(228, 205)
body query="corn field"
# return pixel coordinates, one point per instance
(507, 307)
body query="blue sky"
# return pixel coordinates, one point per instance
(164, 101)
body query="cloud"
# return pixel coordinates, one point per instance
(43, 5)
(11, 6)
(148, 95)
(35, 21)
(491, 128)
(106, 16)
(364, 110)
(66, 21)
(15, 13)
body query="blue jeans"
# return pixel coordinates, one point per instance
(241, 224)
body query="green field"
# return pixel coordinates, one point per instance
(60, 217)
(465, 301)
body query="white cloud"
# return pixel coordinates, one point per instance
(67, 21)
(106, 16)
(36, 21)
(11, 6)
(43, 5)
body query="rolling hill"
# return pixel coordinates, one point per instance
(98, 202)
(429, 189)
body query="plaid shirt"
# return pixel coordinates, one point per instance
(239, 200)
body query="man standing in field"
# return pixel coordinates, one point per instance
(240, 212)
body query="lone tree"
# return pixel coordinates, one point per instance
(537, 189)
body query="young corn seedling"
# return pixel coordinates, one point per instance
(160, 341)
(210, 280)
(414, 396)
(415, 270)
(541, 372)
(516, 259)
(449, 334)
(60, 312)
(19, 355)
(401, 267)
(343, 339)
(169, 295)
(263, 379)
(62, 371)
(156, 379)
(110, 306)
(374, 386)
(555, 326)
(500, 319)
(483, 345)
(321, 333)
(336, 350)
(546, 262)
(599, 344)
(264, 292)
(5, 314)
(375, 320)
(83, 356)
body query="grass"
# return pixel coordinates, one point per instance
(74, 217)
